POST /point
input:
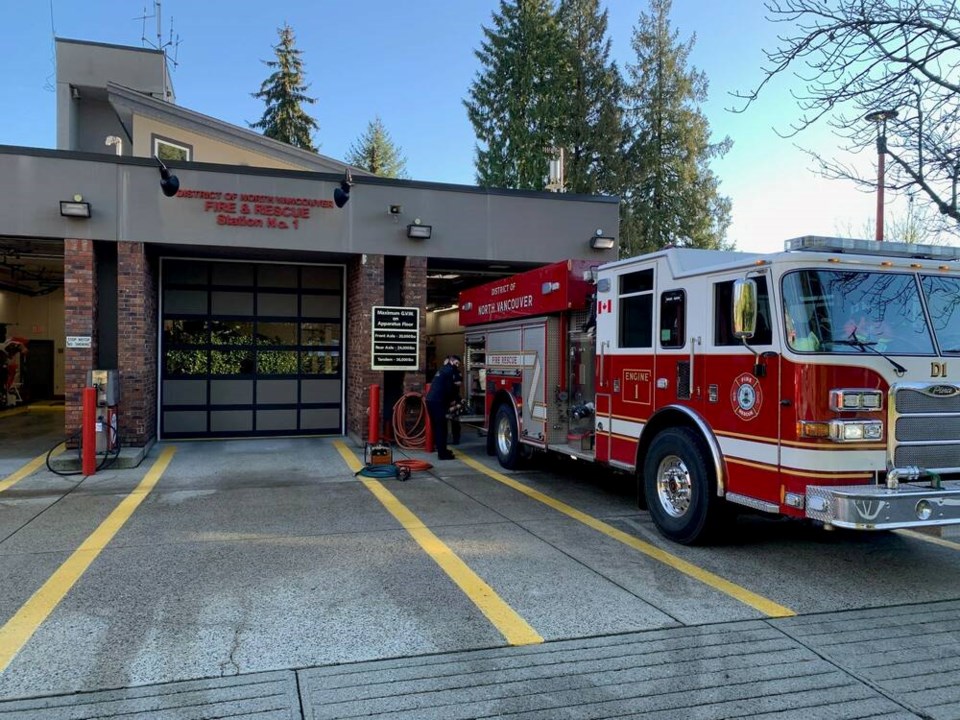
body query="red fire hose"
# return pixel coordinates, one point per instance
(410, 421)
(410, 428)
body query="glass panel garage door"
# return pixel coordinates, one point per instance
(251, 349)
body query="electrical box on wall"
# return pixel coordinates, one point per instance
(107, 383)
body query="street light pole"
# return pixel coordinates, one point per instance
(880, 117)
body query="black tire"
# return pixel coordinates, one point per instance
(681, 488)
(506, 439)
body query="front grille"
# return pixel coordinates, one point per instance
(928, 456)
(920, 418)
(936, 427)
(914, 400)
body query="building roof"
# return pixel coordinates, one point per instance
(128, 102)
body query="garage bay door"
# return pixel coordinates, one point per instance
(250, 349)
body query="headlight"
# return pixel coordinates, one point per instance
(855, 399)
(856, 430)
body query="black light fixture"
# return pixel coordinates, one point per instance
(75, 208)
(599, 241)
(342, 194)
(416, 231)
(169, 183)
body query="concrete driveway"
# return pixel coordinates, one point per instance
(265, 579)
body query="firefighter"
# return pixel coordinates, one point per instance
(440, 400)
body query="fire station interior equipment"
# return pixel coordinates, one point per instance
(11, 363)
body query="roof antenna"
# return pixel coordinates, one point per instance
(173, 41)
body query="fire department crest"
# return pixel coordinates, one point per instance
(746, 396)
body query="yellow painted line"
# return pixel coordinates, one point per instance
(930, 539)
(21, 627)
(13, 411)
(758, 602)
(514, 628)
(10, 480)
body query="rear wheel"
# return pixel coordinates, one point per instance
(505, 437)
(680, 487)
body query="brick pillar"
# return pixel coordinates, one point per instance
(80, 320)
(137, 343)
(364, 290)
(415, 295)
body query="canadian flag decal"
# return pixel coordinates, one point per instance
(604, 306)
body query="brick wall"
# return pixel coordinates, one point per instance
(364, 290)
(80, 319)
(415, 295)
(137, 343)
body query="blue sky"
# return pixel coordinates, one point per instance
(411, 62)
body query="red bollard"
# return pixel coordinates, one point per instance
(88, 437)
(428, 442)
(373, 422)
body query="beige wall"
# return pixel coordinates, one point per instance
(39, 318)
(204, 148)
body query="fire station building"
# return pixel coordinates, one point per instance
(242, 305)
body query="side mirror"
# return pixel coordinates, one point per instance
(744, 308)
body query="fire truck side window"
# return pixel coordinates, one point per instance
(636, 309)
(673, 307)
(723, 320)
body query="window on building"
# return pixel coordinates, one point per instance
(673, 309)
(636, 309)
(723, 317)
(167, 149)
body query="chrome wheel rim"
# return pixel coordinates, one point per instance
(504, 436)
(674, 486)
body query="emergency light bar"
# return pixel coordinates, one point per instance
(872, 247)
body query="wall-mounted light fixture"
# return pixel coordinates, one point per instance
(341, 195)
(169, 183)
(75, 208)
(416, 231)
(395, 209)
(599, 241)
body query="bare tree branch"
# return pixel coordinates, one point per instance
(852, 57)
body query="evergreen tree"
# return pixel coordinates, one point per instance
(671, 197)
(284, 93)
(516, 101)
(593, 132)
(374, 151)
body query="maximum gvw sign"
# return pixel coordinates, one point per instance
(396, 338)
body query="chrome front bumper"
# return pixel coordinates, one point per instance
(878, 507)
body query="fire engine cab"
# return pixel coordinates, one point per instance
(821, 382)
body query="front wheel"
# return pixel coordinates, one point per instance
(680, 487)
(506, 438)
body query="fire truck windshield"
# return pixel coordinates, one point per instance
(838, 311)
(943, 303)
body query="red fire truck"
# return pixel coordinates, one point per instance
(821, 382)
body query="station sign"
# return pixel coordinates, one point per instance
(396, 338)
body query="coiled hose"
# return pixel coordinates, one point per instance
(410, 421)
(410, 429)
